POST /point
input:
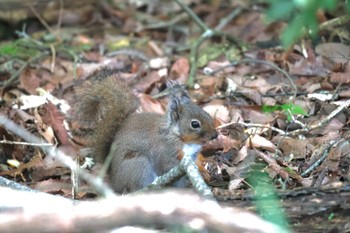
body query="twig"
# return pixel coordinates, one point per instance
(42, 21)
(206, 33)
(228, 18)
(330, 24)
(98, 184)
(249, 60)
(196, 19)
(24, 143)
(187, 163)
(60, 16)
(14, 185)
(53, 61)
(23, 66)
(325, 153)
(166, 24)
(187, 166)
(193, 59)
(273, 165)
(322, 122)
(253, 125)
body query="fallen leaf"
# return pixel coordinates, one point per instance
(337, 52)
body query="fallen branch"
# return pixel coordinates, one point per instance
(171, 209)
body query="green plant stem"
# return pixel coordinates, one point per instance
(193, 60)
(207, 33)
(197, 20)
(229, 18)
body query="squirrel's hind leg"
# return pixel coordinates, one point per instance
(132, 174)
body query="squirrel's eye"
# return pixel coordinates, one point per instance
(195, 124)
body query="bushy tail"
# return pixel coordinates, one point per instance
(102, 103)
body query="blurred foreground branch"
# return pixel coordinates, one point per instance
(171, 209)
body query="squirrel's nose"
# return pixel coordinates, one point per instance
(214, 136)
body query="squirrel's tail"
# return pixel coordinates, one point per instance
(102, 103)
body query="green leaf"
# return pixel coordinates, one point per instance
(329, 4)
(288, 109)
(269, 108)
(209, 53)
(269, 208)
(8, 49)
(280, 9)
(294, 109)
(292, 32)
(331, 216)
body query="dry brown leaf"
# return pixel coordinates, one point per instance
(304, 67)
(254, 116)
(46, 171)
(337, 52)
(342, 78)
(217, 111)
(180, 70)
(148, 104)
(54, 186)
(260, 142)
(332, 160)
(44, 130)
(147, 83)
(222, 142)
(53, 117)
(273, 165)
(242, 153)
(209, 84)
(299, 148)
(333, 125)
(251, 94)
(30, 80)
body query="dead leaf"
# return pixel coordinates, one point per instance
(51, 116)
(332, 160)
(340, 78)
(180, 70)
(297, 148)
(30, 80)
(260, 142)
(337, 52)
(44, 130)
(148, 104)
(217, 111)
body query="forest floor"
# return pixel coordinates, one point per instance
(283, 114)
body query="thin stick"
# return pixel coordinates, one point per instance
(24, 143)
(42, 21)
(98, 184)
(323, 121)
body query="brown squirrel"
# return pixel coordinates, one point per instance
(144, 145)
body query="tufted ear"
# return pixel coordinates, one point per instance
(175, 110)
(178, 99)
(177, 91)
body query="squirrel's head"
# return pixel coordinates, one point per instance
(190, 122)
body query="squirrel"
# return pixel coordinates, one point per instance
(144, 145)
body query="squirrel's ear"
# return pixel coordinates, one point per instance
(175, 109)
(177, 91)
(178, 99)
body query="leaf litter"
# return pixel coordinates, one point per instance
(254, 105)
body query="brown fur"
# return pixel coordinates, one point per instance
(144, 145)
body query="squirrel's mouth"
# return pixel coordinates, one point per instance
(194, 139)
